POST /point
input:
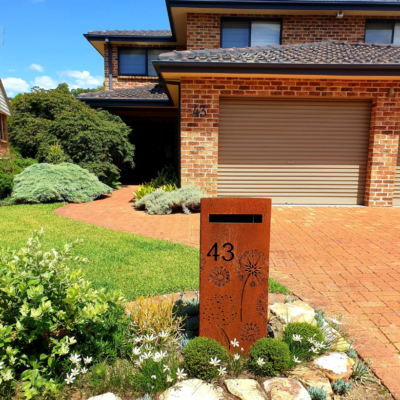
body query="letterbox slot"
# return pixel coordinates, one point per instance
(235, 218)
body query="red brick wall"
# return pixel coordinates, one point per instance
(120, 82)
(203, 30)
(4, 143)
(199, 143)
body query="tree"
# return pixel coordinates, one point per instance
(94, 139)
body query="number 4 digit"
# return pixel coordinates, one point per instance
(196, 111)
(215, 255)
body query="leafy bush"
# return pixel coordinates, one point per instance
(108, 339)
(317, 393)
(160, 202)
(11, 164)
(44, 306)
(269, 357)
(341, 387)
(47, 183)
(198, 354)
(94, 139)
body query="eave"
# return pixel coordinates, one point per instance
(136, 103)
(174, 70)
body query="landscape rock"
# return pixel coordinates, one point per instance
(312, 377)
(335, 365)
(286, 389)
(297, 311)
(245, 389)
(106, 396)
(193, 389)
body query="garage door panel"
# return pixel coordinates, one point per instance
(300, 152)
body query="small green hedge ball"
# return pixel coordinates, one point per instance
(274, 353)
(306, 331)
(198, 354)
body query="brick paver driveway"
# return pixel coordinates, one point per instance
(345, 259)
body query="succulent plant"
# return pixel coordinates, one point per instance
(341, 387)
(317, 393)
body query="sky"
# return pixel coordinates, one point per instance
(44, 43)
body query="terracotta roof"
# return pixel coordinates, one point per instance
(319, 53)
(141, 33)
(151, 92)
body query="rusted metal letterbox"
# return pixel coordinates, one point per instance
(234, 269)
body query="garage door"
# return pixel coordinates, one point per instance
(295, 152)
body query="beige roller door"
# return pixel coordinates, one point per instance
(300, 152)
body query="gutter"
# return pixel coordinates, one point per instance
(286, 5)
(367, 70)
(127, 38)
(125, 102)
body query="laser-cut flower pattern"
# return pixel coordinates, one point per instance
(250, 332)
(220, 311)
(219, 276)
(252, 267)
(262, 304)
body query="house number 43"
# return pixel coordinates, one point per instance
(199, 111)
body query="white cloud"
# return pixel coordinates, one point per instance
(45, 82)
(11, 70)
(36, 67)
(83, 79)
(14, 86)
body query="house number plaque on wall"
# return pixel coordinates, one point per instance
(234, 269)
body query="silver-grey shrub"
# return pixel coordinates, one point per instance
(186, 199)
(47, 183)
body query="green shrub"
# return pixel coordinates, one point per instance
(166, 180)
(341, 387)
(47, 183)
(45, 305)
(160, 202)
(54, 155)
(94, 139)
(317, 393)
(269, 357)
(11, 164)
(198, 354)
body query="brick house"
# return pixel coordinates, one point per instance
(294, 100)
(5, 111)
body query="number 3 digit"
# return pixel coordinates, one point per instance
(230, 251)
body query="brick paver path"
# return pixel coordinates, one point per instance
(344, 259)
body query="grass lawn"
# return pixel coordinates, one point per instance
(135, 264)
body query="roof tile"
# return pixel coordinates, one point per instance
(318, 53)
(152, 92)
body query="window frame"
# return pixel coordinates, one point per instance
(147, 59)
(386, 21)
(250, 20)
(3, 128)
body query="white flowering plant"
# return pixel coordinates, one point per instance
(237, 360)
(43, 303)
(157, 363)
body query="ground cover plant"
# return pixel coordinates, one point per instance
(94, 139)
(161, 202)
(48, 183)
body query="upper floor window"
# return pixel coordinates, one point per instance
(382, 31)
(248, 32)
(138, 61)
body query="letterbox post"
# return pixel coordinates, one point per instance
(234, 269)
